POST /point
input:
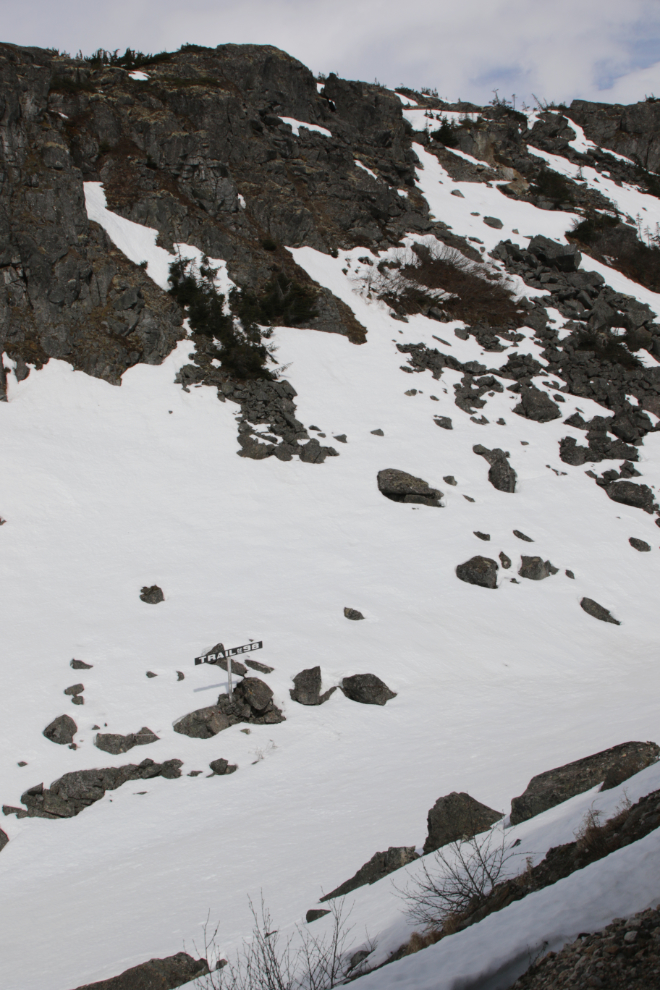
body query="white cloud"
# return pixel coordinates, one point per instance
(558, 49)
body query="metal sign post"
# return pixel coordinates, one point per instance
(229, 688)
(222, 654)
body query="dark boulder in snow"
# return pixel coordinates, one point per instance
(457, 816)
(494, 222)
(536, 405)
(81, 665)
(61, 730)
(157, 974)
(640, 545)
(152, 595)
(379, 866)
(402, 487)
(521, 536)
(307, 690)
(74, 689)
(629, 493)
(254, 692)
(4, 839)
(352, 613)
(505, 561)
(261, 667)
(313, 453)
(478, 570)
(367, 689)
(203, 723)
(501, 474)
(111, 742)
(315, 914)
(222, 767)
(444, 422)
(609, 767)
(565, 257)
(535, 568)
(598, 611)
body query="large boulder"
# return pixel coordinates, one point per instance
(255, 693)
(630, 493)
(222, 767)
(478, 570)
(555, 786)
(252, 701)
(402, 487)
(367, 689)
(501, 474)
(565, 257)
(537, 405)
(307, 689)
(157, 974)
(61, 730)
(535, 568)
(457, 816)
(598, 611)
(203, 723)
(112, 742)
(379, 866)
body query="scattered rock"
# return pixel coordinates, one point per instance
(72, 793)
(598, 611)
(380, 865)
(482, 536)
(478, 570)
(505, 561)
(315, 914)
(352, 613)
(468, 498)
(194, 773)
(180, 676)
(521, 536)
(640, 545)
(444, 422)
(457, 192)
(110, 742)
(203, 723)
(261, 667)
(61, 730)
(377, 433)
(222, 767)
(152, 595)
(367, 689)
(493, 222)
(4, 839)
(22, 763)
(629, 493)
(565, 258)
(157, 974)
(457, 816)
(402, 487)
(449, 479)
(536, 405)
(307, 690)
(341, 437)
(501, 474)
(74, 689)
(569, 574)
(150, 673)
(78, 700)
(237, 667)
(535, 568)
(252, 701)
(81, 665)
(555, 786)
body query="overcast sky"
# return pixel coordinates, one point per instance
(606, 50)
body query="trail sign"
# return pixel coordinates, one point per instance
(222, 654)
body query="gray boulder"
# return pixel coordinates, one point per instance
(402, 487)
(152, 595)
(565, 257)
(367, 689)
(611, 766)
(222, 767)
(4, 839)
(315, 914)
(444, 422)
(457, 816)
(640, 545)
(478, 570)
(501, 474)
(598, 611)
(521, 536)
(254, 692)
(536, 405)
(307, 690)
(61, 730)
(630, 493)
(493, 222)
(157, 974)
(203, 723)
(111, 742)
(352, 613)
(535, 568)
(380, 865)
(74, 689)
(81, 665)
(261, 667)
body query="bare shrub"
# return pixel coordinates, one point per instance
(269, 961)
(457, 880)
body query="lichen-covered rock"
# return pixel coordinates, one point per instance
(478, 570)
(152, 595)
(457, 816)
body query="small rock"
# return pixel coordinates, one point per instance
(535, 568)
(505, 561)
(569, 574)
(113, 743)
(180, 676)
(457, 192)
(402, 487)
(481, 571)
(78, 700)
(468, 499)
(639, 544)
(367, 689)
(501, 474)
(342, 438)
(237, 667)
(358, 957)
(315, 914)
(493, 222)
(81, 665)
(482, 536)
(152, 595)
(352, 613)
(150, 673)
(22, 763)
(449, 479)
(380, 865)
(444, 422)
(628, 937)
(222, 767)
(521, 536)
(75, 689)
(598, 611)
(203, 723)
(377, 433)
(261, 667)
(457, 816)
(307, 689)
(194, 773)
(4, 839)
(61, 730)
(411, 391)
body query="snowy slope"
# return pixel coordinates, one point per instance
(107, 489)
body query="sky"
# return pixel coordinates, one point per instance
(605, 50)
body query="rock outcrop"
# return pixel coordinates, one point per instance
(111, 742)
(307, 688)
(252, 701)
(157, 974)
(402, 487)
(478, 570)
(597, 611)
(367, 689)
(380, 865)
(457, 816)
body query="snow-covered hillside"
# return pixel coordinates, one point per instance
(108, 489)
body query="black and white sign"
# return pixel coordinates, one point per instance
(235, 651)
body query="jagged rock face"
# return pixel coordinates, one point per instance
(611, 767)
(632, 131)
(457, 816)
